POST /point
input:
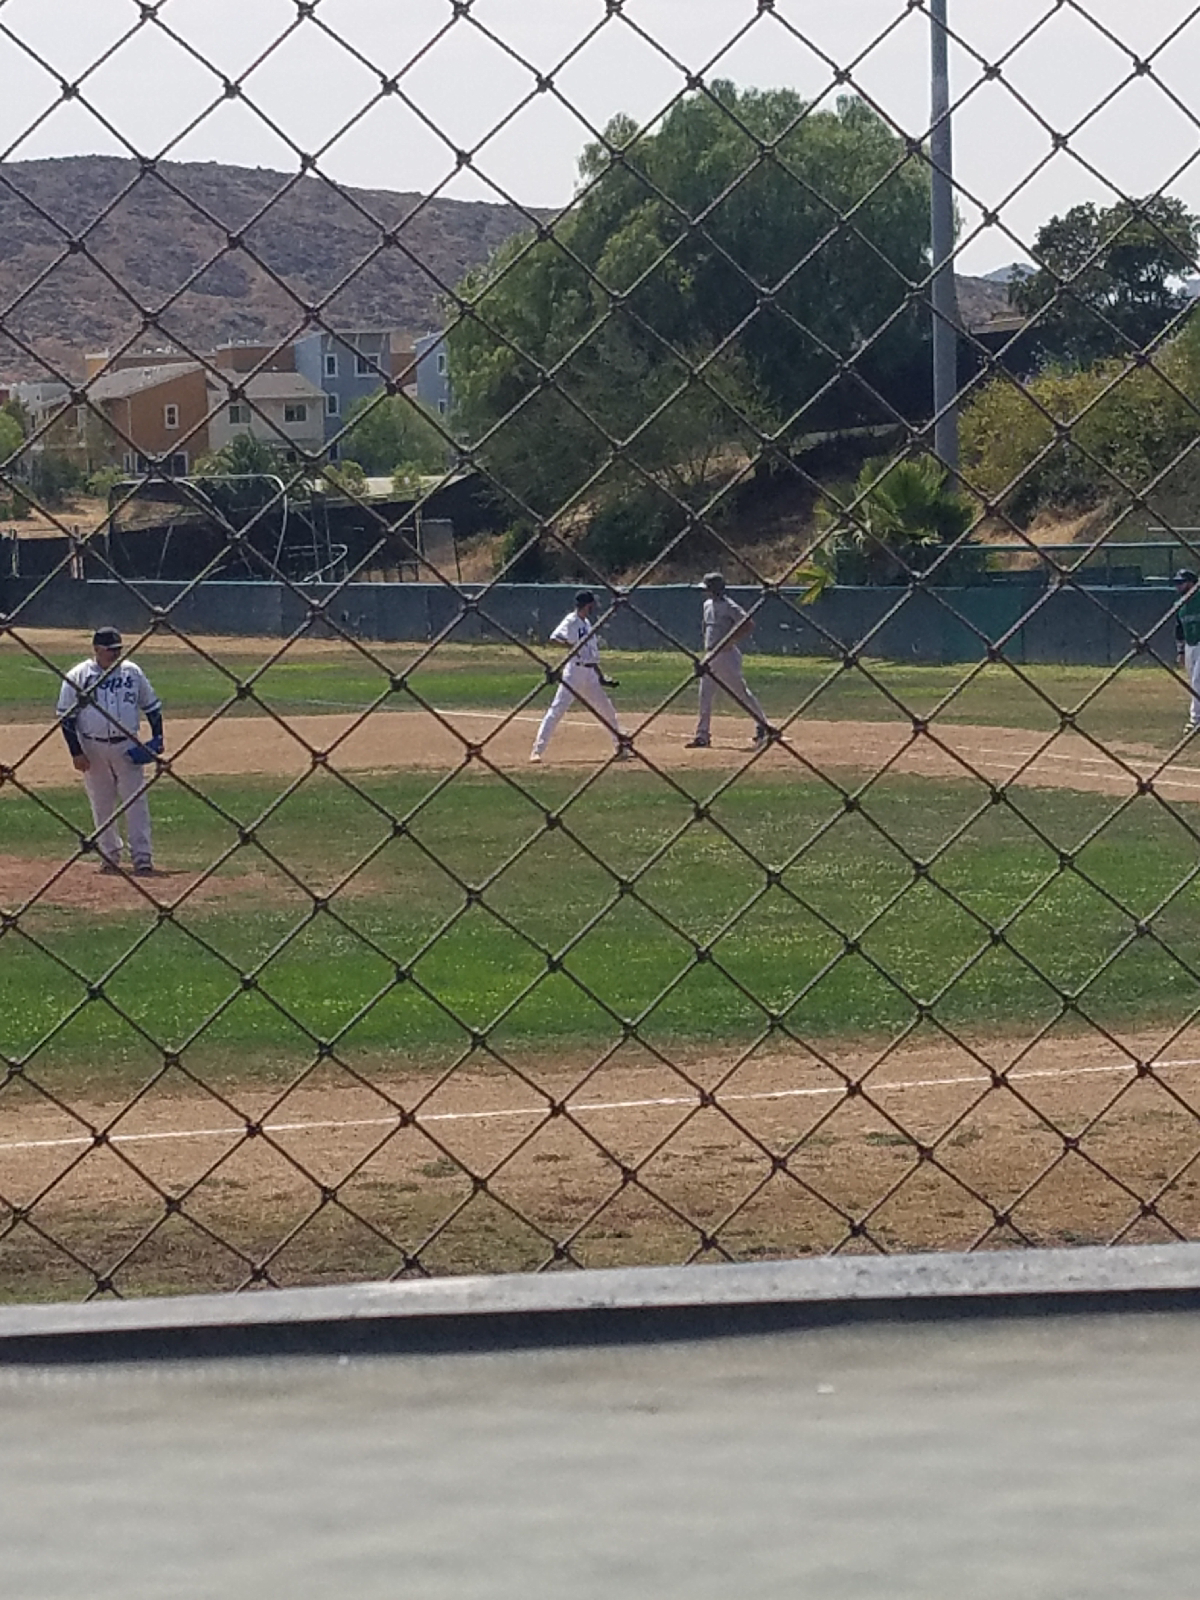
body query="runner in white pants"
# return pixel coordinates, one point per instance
(582, 679)
(100, 708)
(725, 625)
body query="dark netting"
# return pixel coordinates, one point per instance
(894, 948)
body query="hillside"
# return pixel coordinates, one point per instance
(300, 234)
(297, 233)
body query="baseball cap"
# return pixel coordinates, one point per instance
(1184, 575)
(109, 638)
(585, 597)
(714, 581)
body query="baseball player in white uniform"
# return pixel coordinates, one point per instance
(725, 626)
(582, 679)
(100, 708)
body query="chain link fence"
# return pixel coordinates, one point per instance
(893, 947)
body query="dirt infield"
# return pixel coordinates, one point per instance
(340, 1177)
(411, 741)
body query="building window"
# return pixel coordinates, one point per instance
(332, 406)
(128, 461)
(239, 413)
(177, 464)
(295, 413)
(441, 363)
(441, 408)
(364, 367)
(170, 416)
(331, 365)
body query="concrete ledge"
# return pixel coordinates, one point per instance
(633, 1305)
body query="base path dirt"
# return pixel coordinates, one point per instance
(35, 757)
(386, 1167)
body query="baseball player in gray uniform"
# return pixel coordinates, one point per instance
(99, 709)
(725, 626)
(582, 679)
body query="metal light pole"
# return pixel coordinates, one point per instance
(943, 294)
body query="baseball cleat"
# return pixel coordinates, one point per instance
(535, 757)
(763, 735)
(700, 742)
(111, 869)
(145, 870)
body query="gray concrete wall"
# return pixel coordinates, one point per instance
(1092, 627)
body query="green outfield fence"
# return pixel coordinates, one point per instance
(919, 968)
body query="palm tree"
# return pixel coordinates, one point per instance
(902, 512)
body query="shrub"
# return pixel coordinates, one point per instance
(1126, 425)
(52, 477)
(523, 546)
(348, 477)
(630, 530)
(103, 482)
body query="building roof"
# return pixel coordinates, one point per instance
(346, 336)
(132, 380)
(270, 385)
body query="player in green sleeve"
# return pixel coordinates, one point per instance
(1187, 638)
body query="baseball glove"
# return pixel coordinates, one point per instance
(610, 683)
(144, 755)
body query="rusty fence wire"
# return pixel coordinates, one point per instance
(898, 951)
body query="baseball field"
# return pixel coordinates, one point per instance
(401, 1002)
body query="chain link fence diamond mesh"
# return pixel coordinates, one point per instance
(469, 943)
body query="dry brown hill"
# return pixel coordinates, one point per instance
(220, 252)
(264, 232)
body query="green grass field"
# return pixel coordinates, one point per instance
(544, 914)
(405, 963)
(1145, 704)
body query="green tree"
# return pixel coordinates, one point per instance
(391, 432)
(14, 411)
(243, 456)
(1109, 278)
(102, 482)
(346, 477)
(1125, 426)
(901, 514)
(52, 477)
(717, 242)
(12, 437)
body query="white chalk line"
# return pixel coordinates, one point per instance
(985, 756)
(586, 1108)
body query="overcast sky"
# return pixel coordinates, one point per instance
(463, 85)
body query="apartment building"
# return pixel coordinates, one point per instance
(154, 413)
(283, 409)
(346, 366)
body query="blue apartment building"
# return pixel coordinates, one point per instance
(345, 366)
(433, 374)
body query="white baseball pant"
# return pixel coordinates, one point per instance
(112, 781)
(1191, 666)
(584, 685)
(725, 672)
